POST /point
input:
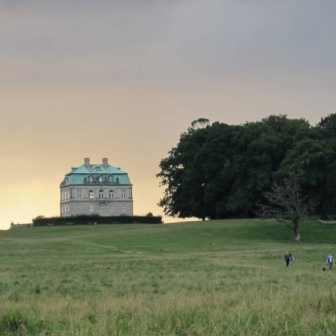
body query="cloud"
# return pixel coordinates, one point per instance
(155, 42)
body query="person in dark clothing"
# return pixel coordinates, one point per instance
(287, 258)
(291, 259)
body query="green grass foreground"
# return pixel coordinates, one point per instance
(202, 278)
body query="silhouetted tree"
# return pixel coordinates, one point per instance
(286, 203)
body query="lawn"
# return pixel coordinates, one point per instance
(201, 278)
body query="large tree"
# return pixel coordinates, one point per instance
(182, 175)
(317, 159)
(220, 170)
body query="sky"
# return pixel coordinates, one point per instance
(123, 80)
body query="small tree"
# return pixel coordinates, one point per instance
(286, 203)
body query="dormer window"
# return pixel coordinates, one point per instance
(117, 180)
(91, 178)
(110, 179)
(100, 178)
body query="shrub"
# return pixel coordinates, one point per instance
(96, 219)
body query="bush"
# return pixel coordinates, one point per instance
(96, 219)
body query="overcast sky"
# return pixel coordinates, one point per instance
(123, 79)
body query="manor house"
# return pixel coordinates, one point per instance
(96, 189)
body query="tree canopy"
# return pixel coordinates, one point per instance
(221, 171)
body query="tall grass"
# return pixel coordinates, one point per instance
(218, 278)
(241, 313)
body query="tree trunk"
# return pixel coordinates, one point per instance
(323, 215)
(296, 230)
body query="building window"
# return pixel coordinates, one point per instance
(111, 194)
(91, 208)
(123, 193)
(68, 194)
(62, 195)
(79, 193)
(62, 209)
(79, 207)
(91, 178)
(101, 207)
(124, 208)
(101, 194)
(91, 195)
(111, 207)
(110, 179)
(100, 178)
(117, 180)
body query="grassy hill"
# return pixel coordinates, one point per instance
(200, 278)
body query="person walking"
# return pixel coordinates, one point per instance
(291, 259)
(330, 261)
(287, 258)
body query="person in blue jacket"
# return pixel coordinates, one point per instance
(330, 261)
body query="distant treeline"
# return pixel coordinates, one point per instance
(221, 171)
(95, 219)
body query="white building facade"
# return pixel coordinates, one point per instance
(96, 189)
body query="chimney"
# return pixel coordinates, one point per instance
(105, 162)
(87, 162)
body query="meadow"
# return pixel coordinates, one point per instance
(223, 277)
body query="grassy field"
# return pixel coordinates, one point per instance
(202, 278)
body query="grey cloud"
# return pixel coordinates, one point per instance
(157, 42)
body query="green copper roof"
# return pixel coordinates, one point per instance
(96, 169)
(96, 174)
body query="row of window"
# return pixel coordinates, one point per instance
(66, 194)
(66, 208)
(101, 179)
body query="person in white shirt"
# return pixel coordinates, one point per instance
(330, 261)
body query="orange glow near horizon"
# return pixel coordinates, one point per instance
(47, 132)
